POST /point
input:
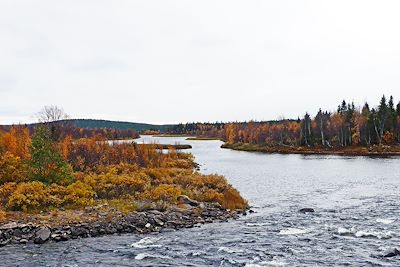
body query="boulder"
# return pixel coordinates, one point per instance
(42, 235)
(182, 199)
(391, 253)
(306, 210)
(9, 226)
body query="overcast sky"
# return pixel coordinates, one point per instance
(178, 61)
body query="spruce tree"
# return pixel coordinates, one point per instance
(47, 164)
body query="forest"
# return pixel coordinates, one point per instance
(347, 126)
(53, 166)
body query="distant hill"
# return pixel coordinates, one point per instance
(121, 125)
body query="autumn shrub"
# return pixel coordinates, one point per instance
(162, 175)
(388, 137)
(183, 163)
(111, 185)
(232, 199)
(29, 196)
(12, 169)
(57, 195)
(3, 215)
(16, 141)
(216, 182)
(79, 194)
(121, 168)
(124, 205)
(189, 180)
(210, 195)
(165, 192)
(6, 190)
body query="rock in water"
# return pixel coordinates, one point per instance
(305, 210)
(392, 253)
(182, 199)
(42, 235)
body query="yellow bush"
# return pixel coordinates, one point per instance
(5, 192)
(190, 180)
(57, 194)
(11, 169)
(123, 205)
(111, 185)
(80, 194)
(168, 193)
(161, 175)
(179, 163)
(28, 196)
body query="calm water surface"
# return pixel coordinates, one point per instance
(356, 200)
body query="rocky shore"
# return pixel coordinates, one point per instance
(186, 215)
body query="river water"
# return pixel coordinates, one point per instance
(356, 218)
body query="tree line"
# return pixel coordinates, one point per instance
(348, 125)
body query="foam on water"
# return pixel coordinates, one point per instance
(363, 233)
(293, 231)
(376, 234)
(142, 256)
(385, 221)
(146, 242)
(257, 224)
(230, 250)
(273, 263)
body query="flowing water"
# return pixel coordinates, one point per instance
(356, 219)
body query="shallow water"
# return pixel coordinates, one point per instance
(356, 200)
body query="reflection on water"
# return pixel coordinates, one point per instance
(356, 219)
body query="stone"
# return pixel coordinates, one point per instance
(158, 221)
(392, 253)
(8, 226)
(182, 199)
(23, 241)
(42, 235)
(306, 210)
(4, 242)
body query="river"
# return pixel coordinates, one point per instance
(356, 218)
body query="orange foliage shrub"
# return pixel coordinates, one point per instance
(212, 188)
(3, 215)
(167, 193)
(388, 137)
(17, 141)
(210, 195)
(91, 153)
(232, 199)
(111, 185)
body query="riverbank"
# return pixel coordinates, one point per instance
(105, 220)
(202, 139)
(345, 151)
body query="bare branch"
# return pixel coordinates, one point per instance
(51, 114)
